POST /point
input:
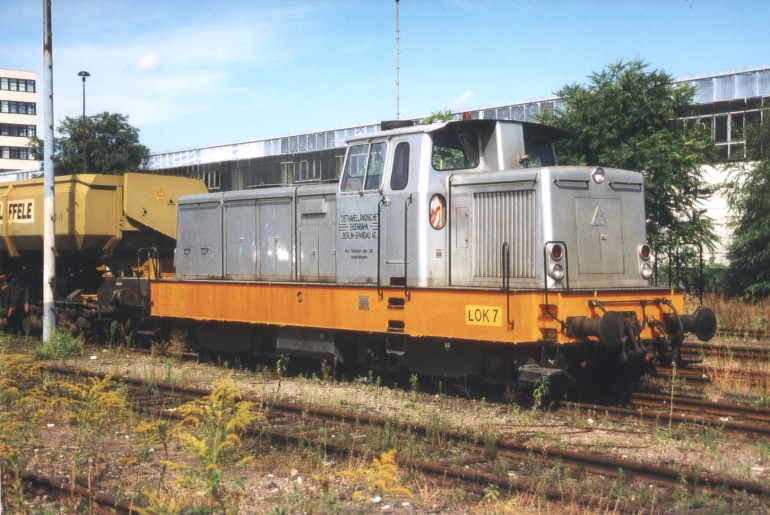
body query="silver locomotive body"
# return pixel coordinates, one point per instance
(457, 248)
(376, 227)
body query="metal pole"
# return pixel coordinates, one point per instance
(84, 74)
(398, 38)
(49, 224)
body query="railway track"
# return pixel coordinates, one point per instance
(97, 503)
(694, 350)
(759, 334)
(299, 424)
(753, 414)
(654, 408)
(699, 374)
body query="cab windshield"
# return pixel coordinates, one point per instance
(364, 167)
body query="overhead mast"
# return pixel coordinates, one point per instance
(398, 36)
(49, 223)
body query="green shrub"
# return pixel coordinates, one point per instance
(61, 345)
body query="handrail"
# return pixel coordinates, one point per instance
(379, 239)
(406, 243)
(674, 265)
(151, 252)
(506, 262)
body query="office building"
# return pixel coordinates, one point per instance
(18, 119)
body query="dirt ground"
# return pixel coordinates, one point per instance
(304, 480)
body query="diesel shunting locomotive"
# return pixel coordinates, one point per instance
(457, 248)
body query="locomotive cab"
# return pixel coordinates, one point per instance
(394, 191)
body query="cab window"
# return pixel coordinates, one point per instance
(400, 176)
(455, 150)
(539, 154)
(364, 167)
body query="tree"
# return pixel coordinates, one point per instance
(112, 145)
(748, 194)
(437, 116)
(628, 117)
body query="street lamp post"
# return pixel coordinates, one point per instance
(84, 74)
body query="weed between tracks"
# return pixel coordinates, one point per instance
(731, 378)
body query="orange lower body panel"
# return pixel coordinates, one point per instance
(481, 315)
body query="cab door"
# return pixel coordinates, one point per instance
(399, 221)
(358, 208)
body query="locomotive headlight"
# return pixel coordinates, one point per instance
(645, 260)
(555, 257)
(556, 251)
(645, 252)
(597, 175)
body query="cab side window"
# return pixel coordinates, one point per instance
(455, 150)
(400, 176)
(539, 154)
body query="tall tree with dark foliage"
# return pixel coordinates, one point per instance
(749, 197)
(630, 117)
(112, 145)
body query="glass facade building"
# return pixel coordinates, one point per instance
(724, 102)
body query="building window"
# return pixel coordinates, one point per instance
(21, 131)
(9, 106)
(16, 153)
(210, 178)
(9, 84)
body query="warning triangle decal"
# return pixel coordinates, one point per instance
(598, 219)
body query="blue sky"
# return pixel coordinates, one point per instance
(191, 73)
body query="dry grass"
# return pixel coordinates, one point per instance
(738, 313)
(734, 378)
(731, 377)
(730, 384)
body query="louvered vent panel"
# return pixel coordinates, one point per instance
(504, 217)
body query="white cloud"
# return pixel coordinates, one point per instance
(181, 74)
(163, 75)
(463, 100)
(149, 62)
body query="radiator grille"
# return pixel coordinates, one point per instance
(501, 217)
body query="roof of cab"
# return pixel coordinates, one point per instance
(544, 131)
